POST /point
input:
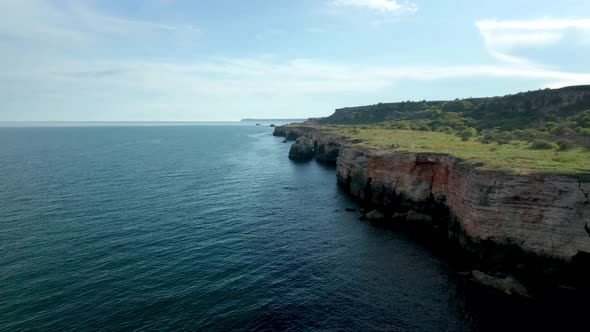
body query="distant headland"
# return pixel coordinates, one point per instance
(273, 120)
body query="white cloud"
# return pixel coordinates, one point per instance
(535, 25)
(383, 6)
(44, 23)
(78, 63)
(249, 77)
(229, 85)
(503, 37)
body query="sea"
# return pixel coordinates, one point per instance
(209, 227)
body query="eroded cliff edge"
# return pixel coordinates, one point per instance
(533, 226)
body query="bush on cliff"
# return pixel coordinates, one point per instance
(527, 134)
(541, 144)
(446, 130)
(467, 133)
(564, 129)
(564, 144)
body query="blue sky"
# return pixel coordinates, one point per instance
(226, 60)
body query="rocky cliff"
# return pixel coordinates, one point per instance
(311, 143)
(517, 111)
(527, 224)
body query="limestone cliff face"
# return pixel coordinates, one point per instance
(302, 149)
(292, 133)
(310, 144)
(540, 215)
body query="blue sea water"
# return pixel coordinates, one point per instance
(205, 227)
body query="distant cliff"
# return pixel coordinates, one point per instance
(531, 225)
(519, 111)
(274, 120)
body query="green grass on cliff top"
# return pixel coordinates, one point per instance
(517, 157)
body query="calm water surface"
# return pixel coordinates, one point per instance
(201, 227)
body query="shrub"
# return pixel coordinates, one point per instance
(541, 144)
(585, 132)
(424, 128)
(564, 144)
(527, 134)
(504, 137)
(446, 130)
(549, 125)
(468, 133)
(565, 128)
(562, 130)
(495, 135)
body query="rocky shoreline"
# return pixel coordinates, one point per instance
(519, 228)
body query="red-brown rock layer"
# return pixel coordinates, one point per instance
(541, 214)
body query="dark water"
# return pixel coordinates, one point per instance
(200, 227)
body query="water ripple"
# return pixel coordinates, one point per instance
(199, 228)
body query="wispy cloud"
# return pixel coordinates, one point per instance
(536, 25)
(241, 77)
(383, 6)
(238, 85)
(503, 37)
(81, 62)
(73, 22)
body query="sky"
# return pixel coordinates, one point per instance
(223, 60)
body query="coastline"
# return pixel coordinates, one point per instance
(529, 229)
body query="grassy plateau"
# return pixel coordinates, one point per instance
(515, 157)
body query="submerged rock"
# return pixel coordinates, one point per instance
(399, 217)
(302, 149)
(413, 216)
(284, 141)
(464, 274)
(506, 284)
(272, 125)
(374, 216)
(350, 209)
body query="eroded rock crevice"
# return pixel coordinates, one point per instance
(584, 193)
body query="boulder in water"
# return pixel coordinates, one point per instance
(417, 217)
(374, 216)
(503, 283)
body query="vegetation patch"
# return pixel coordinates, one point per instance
(544, 131)
(517, 157)
(541, 144)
